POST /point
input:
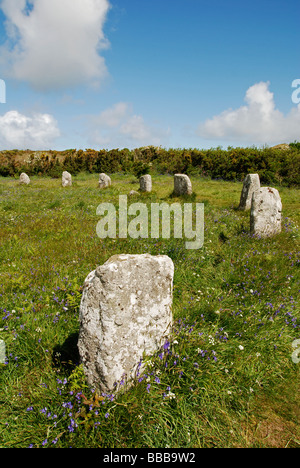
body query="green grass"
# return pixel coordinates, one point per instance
(218, 382)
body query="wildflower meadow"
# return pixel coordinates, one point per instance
(224, 378)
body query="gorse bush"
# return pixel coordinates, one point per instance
(274, 165)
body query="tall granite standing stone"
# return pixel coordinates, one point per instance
(182, 185)
(24, 179)
(146, 183)
(104, 180)
(125, 311)
(251, 184)
(66, 179)
(265, 215)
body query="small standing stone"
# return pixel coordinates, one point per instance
(133, 193)
(146, 183)
(251, 184)
(66, 179)
(182, 185)
(265, 215)
(125, 311)
(104, 180)
(24, 179)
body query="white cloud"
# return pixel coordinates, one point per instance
(118, 126)
(18, 131)
(55, 43)
(258, 122)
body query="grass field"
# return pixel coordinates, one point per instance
(225, 379)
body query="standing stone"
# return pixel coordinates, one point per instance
(66, 179)
(265, 215)
(182, 185)
(146, 183)
(133, 193)
(250, 184)
(24, 179)
(104, 180)
(125, 311)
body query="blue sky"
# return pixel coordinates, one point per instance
(131, 73)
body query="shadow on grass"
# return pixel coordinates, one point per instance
(66, 355)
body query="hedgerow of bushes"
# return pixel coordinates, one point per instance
(274, 165)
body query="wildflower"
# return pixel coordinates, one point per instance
(106, 415)
(72, 425)
(241, 347)
(148, 388)
(211, 340)
(166, 345)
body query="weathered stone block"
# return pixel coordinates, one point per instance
(265, 215)
(66, 179)
(125, 311)
(104, 180)
(133, 193)
(251, 184)
(182, 185)
(24, 179)
(146, 183)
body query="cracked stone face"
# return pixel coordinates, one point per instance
(125, 311)
(104, 180)
(182, 185)
(146, 183)
(251, 184)
(66, 179)
(265, 215)
(24, 179)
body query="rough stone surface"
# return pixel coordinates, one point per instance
(265, 215)
(104, 180)
(66, 179)
(125, 311)
(24, 179)
(146, 183)
(182, 185)
(133, 193)
(251, 183)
